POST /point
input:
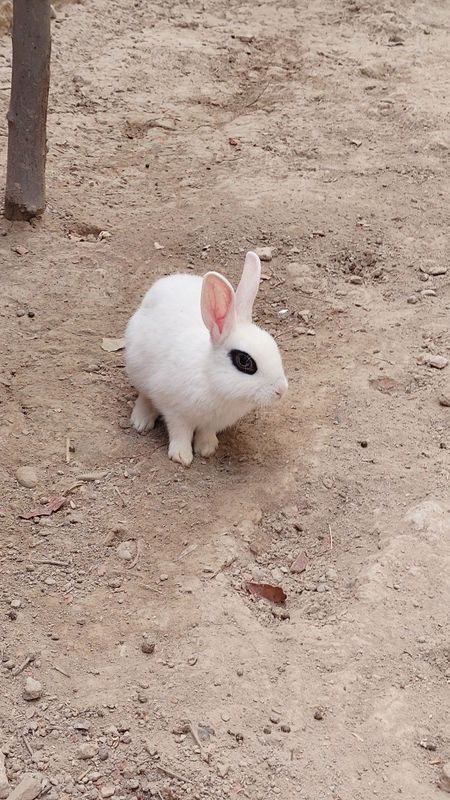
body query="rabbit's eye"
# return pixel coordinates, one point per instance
(243, 362)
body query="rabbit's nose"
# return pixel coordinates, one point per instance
(281, 389)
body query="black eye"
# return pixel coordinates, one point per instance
(243, 362)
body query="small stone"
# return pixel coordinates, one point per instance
(264, 253)
(319, 713)
(142, 697)
(267, 729)
(163, 578)
(103, 754)
(275, 719)
(132, 784)
(87, 750)
(126, 738)
(412, 300)
(444, 399)
(225, 716)
(27, 477)
(283, 313)
(16, 603)
(438, 362)
(363, 442)
(33, 690)
(223, 770)
(239, 672)
(444, 782)
(356, 280)
(148, 646)
(82, 725)
(428, 744)
(125, 550)
(434, 269)
(285, 728)
(108, 790)
(428, 293)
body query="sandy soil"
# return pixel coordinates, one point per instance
(320, 130)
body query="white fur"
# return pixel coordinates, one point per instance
(183, 371)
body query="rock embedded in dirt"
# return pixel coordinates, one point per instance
(86, 751)
(125, 550)
(444, 781)
(28, 789)
(264, 253)
(433, 269)
(27, 477)
(319, 714)
(438, 362)
(444, 398)
(33, 690)
(108, 790)
(147, 645)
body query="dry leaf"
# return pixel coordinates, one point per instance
(44, 511)
(273, 593)
(112, 345)
(300, 563)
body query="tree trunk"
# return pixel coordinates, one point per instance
(27, 115)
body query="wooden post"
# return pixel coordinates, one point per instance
(27, 115)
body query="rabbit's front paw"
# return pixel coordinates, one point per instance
(181, 452)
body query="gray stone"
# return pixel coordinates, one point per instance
(27, 477)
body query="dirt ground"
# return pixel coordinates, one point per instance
(320, 130)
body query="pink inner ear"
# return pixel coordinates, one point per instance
(218, 310)
(217, 305)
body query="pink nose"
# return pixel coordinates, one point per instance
(282, 389)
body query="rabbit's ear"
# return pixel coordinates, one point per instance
(248, 287)
(218, 306)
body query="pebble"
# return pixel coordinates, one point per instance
(356, 280)
(434, 269)
(108, 790)
(27, 477)
(126, 738)
(147, 646)
(33, 690)
(444, 399)
(125, 550)
(438, 362)
(223, 770)
(285, 728)
(16, 603)
(444, 782)
(264, 253)
(412, 299)
(275, 719)
(103, 754)
(87, 750)
(318, 714)
(428, 293)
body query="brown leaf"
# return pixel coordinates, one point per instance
(273, 593)
(300, 563)
(44, 511)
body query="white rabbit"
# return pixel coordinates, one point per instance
(195, 357)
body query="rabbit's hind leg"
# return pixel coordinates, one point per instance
(205, 442)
